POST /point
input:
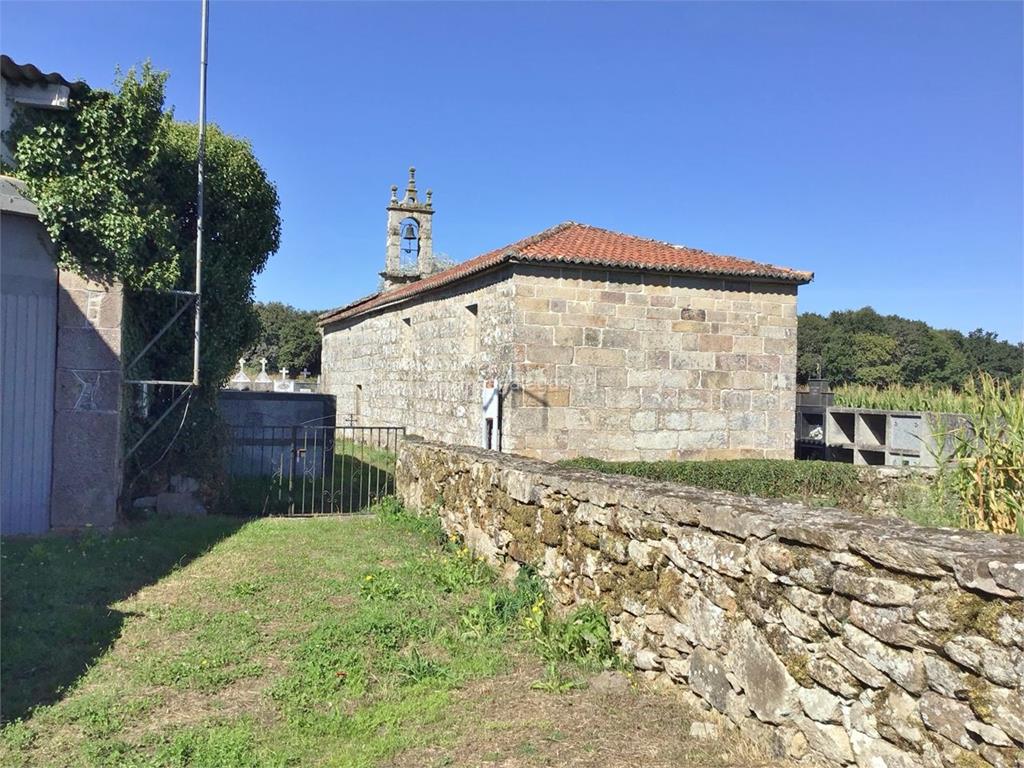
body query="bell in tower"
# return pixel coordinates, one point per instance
(410, 254)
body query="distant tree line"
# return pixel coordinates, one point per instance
(861, 346)
(288, 338)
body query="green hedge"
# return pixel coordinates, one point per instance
(832, 482)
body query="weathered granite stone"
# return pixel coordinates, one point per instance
(771, 692)
(708, 621)
(833, 676)
(718, 554)
(678, 669)
(945, 678)
(886, 625)
(679, 636)
(905, 668)
(947, 717)
(825, 739)
(800, 624)
(646, 659)
(707, 678)
(932, 612)
(1004, 709)
(814, 572)
(820, 705)
(988, 733)
(1008, 575)
(975, 574)
(873, 590)
(873, 752)
(775, 557)
(856, 665)
(1001, 666)
(898, 718)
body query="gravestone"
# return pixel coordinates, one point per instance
(285, 384)
(263, 382)
(240, 380)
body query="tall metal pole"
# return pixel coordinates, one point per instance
(199, 191)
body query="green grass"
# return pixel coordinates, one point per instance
(290, 642)
(822, 481)
(60, 598)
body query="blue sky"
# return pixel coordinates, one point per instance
(879, 145)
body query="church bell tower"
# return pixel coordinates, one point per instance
(410, 254)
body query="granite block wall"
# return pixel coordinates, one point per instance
(842, 639)
(87, 444)
(422, 365)
(618, 365)
(642, 365)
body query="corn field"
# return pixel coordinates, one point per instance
(919, 397)
(984, 471)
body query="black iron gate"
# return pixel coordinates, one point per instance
(311, 470)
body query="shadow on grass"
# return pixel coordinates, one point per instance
(352, 485)
(57, 591)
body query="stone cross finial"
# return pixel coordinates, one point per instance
(284, 374)
(263, 362)
(305, 373)
(410, 191)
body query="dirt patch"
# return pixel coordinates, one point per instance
(503, 722)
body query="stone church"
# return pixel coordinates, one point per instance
(576, 341)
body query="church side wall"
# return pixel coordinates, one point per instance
(628, 366)
(422, 365)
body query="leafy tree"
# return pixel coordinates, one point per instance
(863, 346)
(288, 338)
(94, 173)
(114, 178)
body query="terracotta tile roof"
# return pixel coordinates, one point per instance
(572, 243)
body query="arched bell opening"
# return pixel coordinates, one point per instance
(409, 245)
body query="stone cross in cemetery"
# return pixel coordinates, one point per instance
(263, 381)
(284, 385)
(240, 380)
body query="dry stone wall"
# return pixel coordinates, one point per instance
(843, 639)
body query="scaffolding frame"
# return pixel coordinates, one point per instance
(194, 297)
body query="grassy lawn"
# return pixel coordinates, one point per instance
(348, 642)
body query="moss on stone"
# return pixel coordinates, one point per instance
(652, 531)
(970, 612)
(977, 697)
(586, 536)
(551, 527)
(796, 664)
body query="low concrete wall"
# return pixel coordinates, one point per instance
(275, 409)
(844, 639)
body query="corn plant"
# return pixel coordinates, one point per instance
(899, 397)
(986, 467)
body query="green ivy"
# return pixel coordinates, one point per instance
(114, 179)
